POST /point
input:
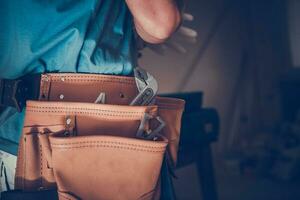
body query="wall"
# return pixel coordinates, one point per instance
(294, 29)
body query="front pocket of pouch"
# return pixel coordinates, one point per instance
(106, 167)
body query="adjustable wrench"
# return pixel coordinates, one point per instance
(147, 87)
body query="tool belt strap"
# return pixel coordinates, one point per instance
(15, 92)
(78, 117)
(30, 195)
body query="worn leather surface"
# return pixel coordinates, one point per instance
(107, 167)
(118, 166)
(119, 90)
(170, 110)
(104, 151)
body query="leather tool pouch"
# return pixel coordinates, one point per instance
(90, 151)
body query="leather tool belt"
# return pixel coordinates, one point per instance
(87, 150)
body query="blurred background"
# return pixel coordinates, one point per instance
(245, 64)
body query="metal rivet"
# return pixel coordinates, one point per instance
(62, 79)
(61, 96)
(68, 121)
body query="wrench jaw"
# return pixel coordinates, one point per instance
(150, 134)
(147, 87)
(140, 82)
(141, 75)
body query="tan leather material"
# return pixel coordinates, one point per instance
(118, 165)
(120, 168)
(170, 110)
(45, 145)
(33, 171)
(102, 135)
(119, 90)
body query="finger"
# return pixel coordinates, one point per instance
(187, 17)
(188, 32)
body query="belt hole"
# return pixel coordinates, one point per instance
(121, 95)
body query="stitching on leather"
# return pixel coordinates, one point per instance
(41, 164)
(24, 163)
(98, 76)
(79, 108)
(95, 81)
(85, 113)
(74, 109)
(81, 112)
(110, 146)
(86, 78)
(106, 142)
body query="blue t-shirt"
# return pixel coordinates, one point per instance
(91, 36)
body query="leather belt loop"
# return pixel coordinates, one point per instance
(44, 140)
(45, 87)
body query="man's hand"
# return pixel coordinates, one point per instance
(155, 20)
(177, 42)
